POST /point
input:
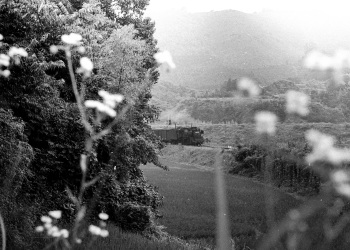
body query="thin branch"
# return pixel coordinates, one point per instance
(3, 232)
(76, 93)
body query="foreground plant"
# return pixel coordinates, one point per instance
(62, 237)
(327, 214)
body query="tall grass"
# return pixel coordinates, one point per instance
(119, 240)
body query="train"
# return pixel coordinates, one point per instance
(184, 135)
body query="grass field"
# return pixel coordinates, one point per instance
(119, 240)
(189, 204)
(229, 134)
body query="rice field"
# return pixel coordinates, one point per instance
(189, 203)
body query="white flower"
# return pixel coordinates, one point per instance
(94, 230)
(266, 122)
(341, 59)
(338, 155)
(39, 229)
(64, 233)
(101, 107)
(103, 216)
(4, 60)
(72, 39)
(165, 58)
(246, 84)
(321, 145)
(318, 60)
(81, 50)
(341, 182)
(104, 233)
(86, 66)
(53, 231)
(323, 149)
(110, 99)
(1, 37)
(78, 241)
(56, 234)
(5, 73)
(46, 219)
(47, 226)
(55, 214)
(17, 52)
(53, 49)
(297, 102)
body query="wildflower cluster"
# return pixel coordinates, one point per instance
(73, 42)
(323, 149)
(266, 122)
(49, 227)
(14, 53)
(165, 58)
(341, 182)
(107, 106)
(320, 61)
(297, 102)
(100, 231)
(336, 64)
(249, 86)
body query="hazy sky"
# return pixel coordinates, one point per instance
(334, 7)
(319, 12)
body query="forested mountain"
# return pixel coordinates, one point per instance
(208, 48)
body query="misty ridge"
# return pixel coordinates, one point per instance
(211, 47)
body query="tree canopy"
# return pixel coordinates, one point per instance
(37, 100)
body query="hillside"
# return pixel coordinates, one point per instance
(211, 47)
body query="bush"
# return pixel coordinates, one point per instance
(134, 217)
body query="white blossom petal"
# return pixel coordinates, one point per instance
(341, 182)
(165, 57)
(53, 231)
(39, 229)
(46, 219)
(53, 49)
(86, 64)
(318, 60)
(4, 60)
(246, 84)
(64, 233)
(110, 99)
(103, 216)
(101, 107)
(104, 233)
(323, 149)
(94, 230)
(72, 39)
(266, 122)
(5, 73)
(55, 214)
(297, 102)
(14, 51)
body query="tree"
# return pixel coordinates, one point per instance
(39, 93)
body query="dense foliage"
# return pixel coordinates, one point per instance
(41, 120)
(283, 163)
